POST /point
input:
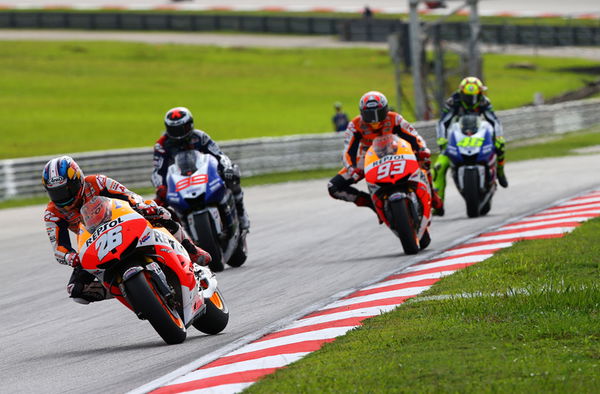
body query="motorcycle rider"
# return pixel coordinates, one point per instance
(68, 190)
(468, 99)
(181, 135)
(374, 120)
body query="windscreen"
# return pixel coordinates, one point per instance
(95, 212)
(186, 161)
(385, 145)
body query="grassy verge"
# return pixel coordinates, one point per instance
(78, 96)
(543, 339)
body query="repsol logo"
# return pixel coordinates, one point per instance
(389, 158)
(103, 228)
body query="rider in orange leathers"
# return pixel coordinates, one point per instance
(68, 190)
(374, 120)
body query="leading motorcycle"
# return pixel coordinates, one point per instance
(399, 190)
(206, 207)
(473, 162)
(148, 271)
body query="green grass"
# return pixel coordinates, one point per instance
(544, 339)
(63, 97)
(558, 145)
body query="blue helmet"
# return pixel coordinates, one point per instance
(63, 180)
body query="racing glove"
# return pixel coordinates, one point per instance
(151, 211)
(356, 173)
(71, 259)
(442, 143)
(424, 157)
(161, 195)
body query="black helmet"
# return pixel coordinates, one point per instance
(63, 180)
(373, 107)
(179, 123)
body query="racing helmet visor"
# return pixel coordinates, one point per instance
(66, 194)
(180, 131)
(374, 115)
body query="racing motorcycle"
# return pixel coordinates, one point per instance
(146, 269)
(399, 190)
(473, 162)
(206, 207)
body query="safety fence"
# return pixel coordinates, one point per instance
(22, 177)
(349, 29)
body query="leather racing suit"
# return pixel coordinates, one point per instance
(453, 109)
(82, 286)
(165, 150)
(359, 137)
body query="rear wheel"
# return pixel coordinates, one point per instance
(216, 317)
(207, 240)
(405, 226)
(147, 302)
(471, 193)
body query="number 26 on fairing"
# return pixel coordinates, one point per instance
(390, 168)
(108, 241)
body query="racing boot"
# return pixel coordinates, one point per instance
(502, 176)
(500, 146)
(242, 215)
(364, 200)
(439, 184)
(206, 279)
(197, 255)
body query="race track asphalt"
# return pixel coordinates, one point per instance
(304, 248)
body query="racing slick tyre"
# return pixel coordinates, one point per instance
(403, 223)
(471, 193)
(215, 318)
(149, 304)
(207, 240)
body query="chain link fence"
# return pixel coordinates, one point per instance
(20, 178)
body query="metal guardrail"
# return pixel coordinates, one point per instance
(22, 177)
(349, 29)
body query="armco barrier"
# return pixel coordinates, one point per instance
(21, 177)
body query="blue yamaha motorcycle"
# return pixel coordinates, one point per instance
(206, 207)
(473, 162)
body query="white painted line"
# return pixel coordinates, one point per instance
(450, 261)
(223, 389)
(472, 249)
(260, 363)
(409, 279)
(526, 234)
(517, 226)
(411, 291)
(330, 317)
(326, 333)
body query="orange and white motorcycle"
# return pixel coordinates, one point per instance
(399, 190)
(146, 269)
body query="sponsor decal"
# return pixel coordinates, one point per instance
(145, 238)
(101, 229)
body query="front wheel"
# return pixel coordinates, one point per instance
(471, 193)
(208, 240)
(148, 303)
(215, 318)
(405, 226)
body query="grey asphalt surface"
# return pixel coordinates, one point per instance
(304, 248)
